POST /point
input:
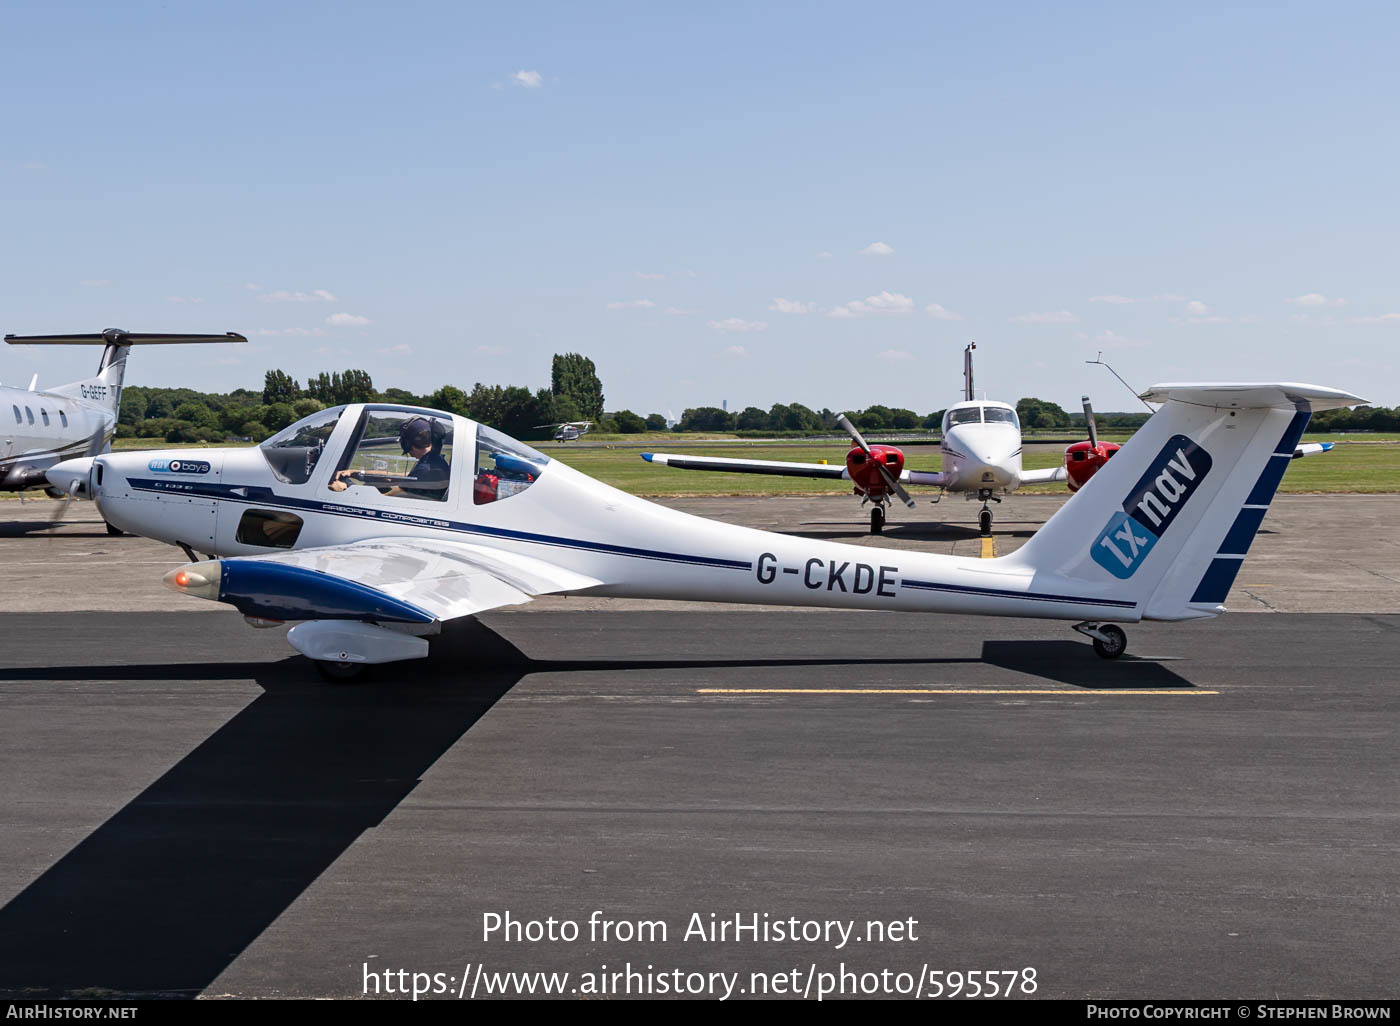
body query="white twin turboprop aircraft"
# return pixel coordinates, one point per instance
(980, 448)
(373, 524)
(74, 419)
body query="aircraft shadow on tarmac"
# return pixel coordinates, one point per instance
(165, 895)
(927, 531)
(71, 528)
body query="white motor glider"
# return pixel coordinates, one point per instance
(371, 525)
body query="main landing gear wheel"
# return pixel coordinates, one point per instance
(115, 532)
(340, 673)
(984, 521)
(877, 519)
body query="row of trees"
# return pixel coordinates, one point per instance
(1363, 418)
(575, 394)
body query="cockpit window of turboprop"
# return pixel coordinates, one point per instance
(292, 452)
(1000, 415)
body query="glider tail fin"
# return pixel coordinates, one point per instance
(1168, 520)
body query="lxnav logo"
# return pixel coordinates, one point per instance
(1152, 505)
(179, 466)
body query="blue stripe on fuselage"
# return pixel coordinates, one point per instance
(257, 495)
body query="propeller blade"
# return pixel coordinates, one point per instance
(892, 483)
(57, 519)
(1089, 423)
(94, 448)
(855, 435)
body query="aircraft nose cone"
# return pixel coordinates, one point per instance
(65, 475)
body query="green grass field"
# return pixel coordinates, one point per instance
(1371, 465)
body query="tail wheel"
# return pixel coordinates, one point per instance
(1113, 643)
(877, 520)
(984, 521)
(341, 673)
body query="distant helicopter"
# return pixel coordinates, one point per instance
(569, 430)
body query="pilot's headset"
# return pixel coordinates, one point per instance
(422, 432)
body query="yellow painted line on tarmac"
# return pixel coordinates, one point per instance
(952, 691)
(989, 548)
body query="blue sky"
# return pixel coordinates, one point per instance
(744, 202)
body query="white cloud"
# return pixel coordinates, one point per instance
(631, 304)
(186, 299)
(884, 304)
(1383, 318)
(896, 354)
(649, 277)
(1047, 317)
(491, 350)
(878, 249)
(941, 313)
(1316, 299)
(1110, 339)
(290, 331)
(739, 351)
(679, 311)
(1197, 309)
(402, 349)
(252, 287)
(284, 296)
(1115, 300)
(790, 306)
(528, 79)
(824, 255)
(733, 325)
(347, 320)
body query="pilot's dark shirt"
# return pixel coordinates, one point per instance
(432, 470)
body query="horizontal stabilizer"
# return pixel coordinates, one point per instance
(118, 337)
(1253, 395)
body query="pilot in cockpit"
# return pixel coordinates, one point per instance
(419, 437)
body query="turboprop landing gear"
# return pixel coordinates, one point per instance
(115, 532)
(1109, 639)
(877, 519)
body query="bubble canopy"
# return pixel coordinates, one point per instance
(402, 452)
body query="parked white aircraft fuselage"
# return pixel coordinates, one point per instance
(981, 448)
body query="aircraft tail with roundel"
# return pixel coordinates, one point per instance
(1168, 521)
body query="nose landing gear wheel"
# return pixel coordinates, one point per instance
(984, 520)
(1112, 643)
(340, 673)
(877, 519)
